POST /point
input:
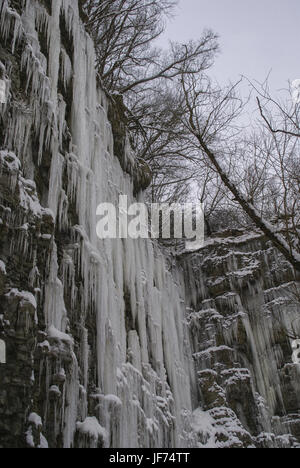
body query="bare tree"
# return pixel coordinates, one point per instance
(212, 133)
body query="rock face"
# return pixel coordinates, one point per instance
(244, 314)
(113, 343)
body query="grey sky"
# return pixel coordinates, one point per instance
(255, 36)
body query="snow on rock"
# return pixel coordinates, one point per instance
(35, 419)
(29, 438)
(54, 391)
(113, 400)
(203, 426)
(34, 436)
(28, 197)
(242, 327)
(10, 160)
(55, 334)
(2, 267)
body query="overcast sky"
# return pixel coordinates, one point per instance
(255, 36)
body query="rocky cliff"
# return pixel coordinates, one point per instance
(243, 317)
(114, 343)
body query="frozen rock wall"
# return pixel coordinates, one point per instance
(113, 343)
(243, 316)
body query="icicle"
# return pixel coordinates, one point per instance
(68, 275)
(18, 133)
(66, 69)
(73, 176)
(63, 222)
(41, 17)
(71, 396)
(55, 186)
(55, 310)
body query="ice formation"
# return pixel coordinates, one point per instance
(115, 343)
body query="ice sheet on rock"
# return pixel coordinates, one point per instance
(34, 436)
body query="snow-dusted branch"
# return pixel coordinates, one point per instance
(195, 125)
